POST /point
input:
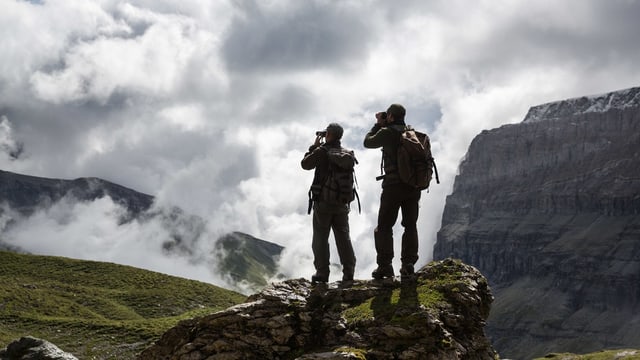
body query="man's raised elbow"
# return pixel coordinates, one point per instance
(306, 166)
(369, 144)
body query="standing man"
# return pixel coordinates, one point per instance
(396, 195)
(330, 210)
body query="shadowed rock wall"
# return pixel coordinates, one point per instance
(549, 211)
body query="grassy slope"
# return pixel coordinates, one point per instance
(97, 310)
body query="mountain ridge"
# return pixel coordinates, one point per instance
(26, 193)
(245, 261)
(621, 99)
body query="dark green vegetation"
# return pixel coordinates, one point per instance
(396, 307)
(427, 292)
(97, 310)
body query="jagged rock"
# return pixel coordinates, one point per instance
(549, 211)
(30, 348)
(439, 314)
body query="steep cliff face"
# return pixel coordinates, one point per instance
(549, 211)
(438, 315)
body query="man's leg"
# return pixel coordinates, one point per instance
(340, 227)
(383, 234)
(410, 208)
(320, 242)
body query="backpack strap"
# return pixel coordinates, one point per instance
(400, 131)
(378, 178)
(435, 170)
(355, 192)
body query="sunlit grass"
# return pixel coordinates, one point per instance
(97, 310)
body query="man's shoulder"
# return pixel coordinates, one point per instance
(392, 134)
(339, 149)
(400, 128)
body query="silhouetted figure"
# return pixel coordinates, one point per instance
(330, 196)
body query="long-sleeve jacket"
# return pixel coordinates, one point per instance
(387, 138)
(317, 158)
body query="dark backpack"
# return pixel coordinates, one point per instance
(416, 165)
(339, 186)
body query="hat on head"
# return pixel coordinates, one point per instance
(335, 129)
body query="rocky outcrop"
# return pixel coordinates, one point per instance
(439, 314)
(549, 211)
(30, 348)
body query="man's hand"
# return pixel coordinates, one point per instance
(318, 140)
(379, 119)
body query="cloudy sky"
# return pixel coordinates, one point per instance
(210, 105)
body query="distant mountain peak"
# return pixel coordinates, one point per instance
(246, 262)
(26, 193)
(601, 103)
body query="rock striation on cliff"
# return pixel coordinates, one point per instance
(440, 314)
(549, 211)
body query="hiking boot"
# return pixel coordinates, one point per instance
(317, 278)
(345, 284)
(383, 271)
(407, 270)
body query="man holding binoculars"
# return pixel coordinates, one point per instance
(333, 166)
(396, 195)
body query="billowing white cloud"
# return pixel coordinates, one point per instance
(151, 63)
(9, 146)
(93, 231)
(210, 105)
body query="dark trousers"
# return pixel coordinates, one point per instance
(397, 197)
(327, 217)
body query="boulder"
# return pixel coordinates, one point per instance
(31, 348)
(438, 314)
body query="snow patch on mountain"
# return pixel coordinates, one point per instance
(600, 103)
